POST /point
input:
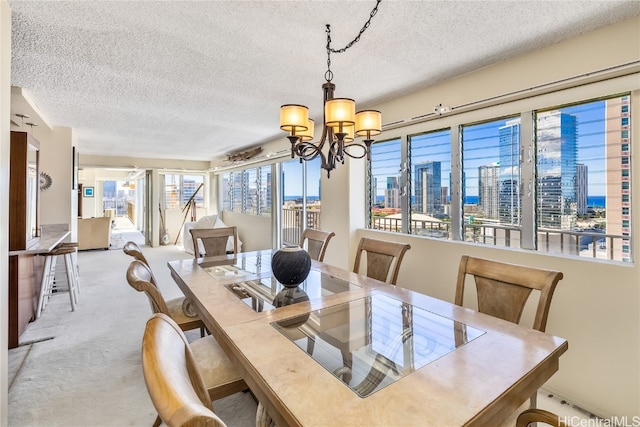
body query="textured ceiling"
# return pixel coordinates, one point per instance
(194, 80)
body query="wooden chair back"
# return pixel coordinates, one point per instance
(171, 375)
(383, 258)
(530, 416)
(139, 277)
(316, 241)
(503, 289)
(132, 249)
(214, 240)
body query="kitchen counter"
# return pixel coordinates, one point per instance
(51, 236)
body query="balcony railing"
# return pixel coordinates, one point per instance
(292, 224)
(580, 243)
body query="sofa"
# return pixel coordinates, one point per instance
(94, 233)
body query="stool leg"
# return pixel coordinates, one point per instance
(51, 276)
(76, 272)
(43, 285)
(74, 276)
(72, 291)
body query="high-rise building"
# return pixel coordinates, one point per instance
(618, 189)
(392, 192)
(556, 166)
(428, 188)
(489, 190)
(582, 186)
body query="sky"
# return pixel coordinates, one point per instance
(481, 147)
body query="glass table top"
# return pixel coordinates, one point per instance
(267, 293)
(374, 341)
(238, 267)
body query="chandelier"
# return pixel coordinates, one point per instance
(341, 122)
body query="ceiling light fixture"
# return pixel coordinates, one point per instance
(341, 123)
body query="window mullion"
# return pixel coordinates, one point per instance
(405, 190)
(528, 180)
(456, 184)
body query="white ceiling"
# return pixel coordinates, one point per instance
(195, 80)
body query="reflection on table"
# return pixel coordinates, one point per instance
(267, 293)
(387, 338)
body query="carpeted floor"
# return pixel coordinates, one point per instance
(83, 368)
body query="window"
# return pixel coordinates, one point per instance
(264, 190)
(386, 186)
(247, 191)
(430, 201)
(250, 183)
(571, 191)
(301, 202)
(180, 188)
(491, 181)
(583, 140)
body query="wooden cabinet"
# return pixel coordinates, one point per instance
(25, 268)
(24, 192)
(25, 274)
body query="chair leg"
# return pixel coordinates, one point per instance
(262, 418)
(533, 400)
(157, 422)
(310, 346)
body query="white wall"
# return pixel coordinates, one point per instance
(253, 231)
(56, 160)
(5, 111)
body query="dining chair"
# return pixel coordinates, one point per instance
(214, 240)
(383, 258)
(316, 242)
(175, 379)
(141, 279)
(133, 250)
(539, 415)
(503, 290)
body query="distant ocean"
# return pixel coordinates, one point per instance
(309, 198)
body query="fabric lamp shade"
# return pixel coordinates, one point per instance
(307, 135)
(294, 118)
(340, 112)
(369, 123)
(348, 130)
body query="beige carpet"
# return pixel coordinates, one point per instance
(83, 367)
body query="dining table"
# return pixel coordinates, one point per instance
(345, 349)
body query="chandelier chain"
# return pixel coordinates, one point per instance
(330, 50)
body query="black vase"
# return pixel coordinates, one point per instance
(291, 265)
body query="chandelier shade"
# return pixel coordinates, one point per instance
(349, 131)
(368, 123)
(294, 118)
(340, 112)
(307, 135)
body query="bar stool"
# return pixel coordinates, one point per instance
(49, 276)
(76, 271)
